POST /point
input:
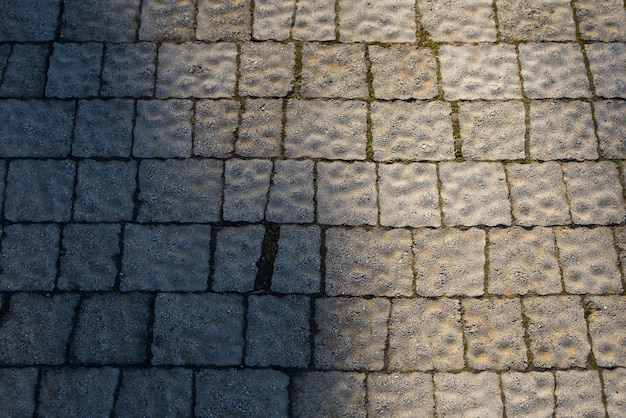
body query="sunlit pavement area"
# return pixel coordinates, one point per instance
(312, 208)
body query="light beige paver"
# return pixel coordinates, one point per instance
(267, 69)
(461, 21)
(601, 20)
(314, 21)
(578, 393)
(223, 20)
(528, 394)
(536, 20)
(611, 119)
(272, 19)
(245, 189)
(362, 21)
(215, 125)
(607, 328)
(468, 394)
(401, 395)
(260, 128)
(607, 62)
(614, 381)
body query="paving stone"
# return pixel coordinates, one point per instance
(246, 187)
(578, 393)
(330, 129)
(3, 172)
(620, 241)
(403, 72)
(112, 328)
(28, 260)
(351, 333)
(611, 118)
(103, 128)
(425, 334)
(88, 257)
(412, 131)
(314, 20)
(223, 20)
(479, 72)
(468, 394)
(30, 21)
(236, 392)
(538, 194)
(272, 20)
(237, 251)
(400, 395)
(553, 70)
(606, 62)
(164, 20)
(492, 131)
(601, 20)
(5, 52)
(163, 129)
(129, 70)
(474, 193)
(329, 394)
(104, 190)
(17, 391)
(588, 260)
(155, 392)
(361, 21)
(523, 261)
(278, 331)
(291, 192)
(36, 128)
(35, 330)
(267, 69)
(607, 327)
(260, 128)
(594, 192)
(346, 193)
(215, 125)
(297, 262)
(363, 262)
(461, 21)
(536, 20)
(557, 331)
(166, 257)
(334, 70)
(77, 392)
(449, 262)
(25, 73)
(93, 20)
(494, 334)
(196, 70)
(198, 329)
(528, 394)
(75, 70)
(614, 381)
(180, 190)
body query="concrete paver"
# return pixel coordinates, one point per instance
(103, 128)
(25, 71)
(529, 394)
(298, 260)
(129, 69)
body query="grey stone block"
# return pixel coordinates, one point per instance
(237, 392)
(88, 258)
(297, 262)
(166, 257)
(468, 394)
(77, 392)
(614, 381)
(332, 393)
(17, 391)
(400, 395)
(601, 20)
(314, 20)
(74, 70)
(103, 128)
(5, 52)
(461, 21)
(93, 20)
(611, 118)
(216, 122)
(31, 21)
(378, 22)
(163, 129)
(579, 393)
(3, 172)
(291, 192)
(536, 20)
(237, 251)
(272, 20)
(35, 329)
(198, 329)
(246, 187)
(528, 394)
(607, 328)
(267, 69)
(607, 61)
(129, 70)
(223, 20)
(260, 129)
(25, 73)
(112, 328)
(164, 20)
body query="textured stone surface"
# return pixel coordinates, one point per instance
(129, 70)
(260, 128)
(536, 20)
(528, 394)
(163, 129)
(17, 391)
(578, 393)
(272, 20)
(314, 20)
(601, 20)
(611, 118)
(223, 20)
(238, 249)
(606, 62)
(297, 263)
(400, 395)
(93, 20)
(462, 21)
(468, 394)
(31, 21)
(267, 69)
(103, 128)
(607, 328)
(329, 393)
(215, 125)
(245, 190)
(163, 20)
(291, 192)
(25, 73)
(377, 22)
(614, 381)
(74, 70)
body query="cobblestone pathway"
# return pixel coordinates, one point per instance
(312, 208)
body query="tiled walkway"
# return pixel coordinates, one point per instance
(312, 208)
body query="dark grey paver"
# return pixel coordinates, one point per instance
(163, 20)
(17, 391)
(93, 20)
(224, 20)
(29, 21)
(267, 69)
(245, 190)
(291, 192)
(25, 73)
(297, 263)
(163, 129)
(329, 393)
(5, 52)
(129, 70)
(74, 70)
(237, 251)
(216, 122)
(103, 128)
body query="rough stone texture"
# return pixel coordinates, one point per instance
(606, 62)
(594, 192)
(523, 261)
(462, 21)
(129, 70)
(553, 70)
(5, 52)
(272, 20)
(32, 319)
(557, 331)
(474, 193)
(291, 192)
(538, 194)
(314, 21)
(297, 262)
(468, 394)
(28, 21)
(401, 395)
(492, 131)
(346, 193)
(379, 21)
(74, 70)
(479, 72)
(326, 129)
(246, 187)
(601, 20)
(103, 128)
(165, 257)
(25, 73)
(607, 327)
(163, 129)
(588, 260)
(329, 394)
(198, 329)
(614, 381)
(267, 69)
(196, 70)
(17, 391)
(215, 125)
(93, 20)
(278, 331)
(260, 128)
(223, 20)
(611, 118)
(351, 333)
(412, 131)
(578, 393)
(536, 20)
(237, 251)
(164, 20)
(620, 241)
(180, 190)
(528, 394)
(425, 335)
